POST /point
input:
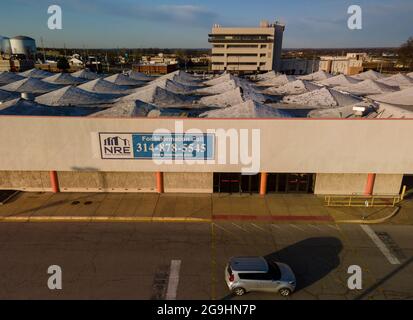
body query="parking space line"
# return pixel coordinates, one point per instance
(173, 282)
(225, 230)
(239, 227)
(382, 247)
(314, 227)
(275, 226)
(258, 227)
(295, 227)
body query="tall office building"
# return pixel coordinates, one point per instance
(247, 50)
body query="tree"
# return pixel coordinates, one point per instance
(63, 64)
(406, 54)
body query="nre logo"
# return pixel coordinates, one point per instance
(117, 146)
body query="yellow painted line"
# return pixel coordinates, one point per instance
(104, 219)
(213, 263)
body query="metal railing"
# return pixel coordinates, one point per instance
(364, 201)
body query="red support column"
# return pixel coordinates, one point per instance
(54, 182)
(159, 182)
(371, 179)
(263, 185)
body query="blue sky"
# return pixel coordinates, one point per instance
(185, 24)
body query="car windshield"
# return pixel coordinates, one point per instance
(274, 270)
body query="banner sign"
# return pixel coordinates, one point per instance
(142, 146)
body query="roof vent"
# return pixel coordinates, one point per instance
(27, 96)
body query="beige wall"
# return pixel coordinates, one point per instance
(188, 182)
(25, 181)
(355, 184)
(293, 145)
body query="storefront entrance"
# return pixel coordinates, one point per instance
(236, 183)
(250, 184)
(290, 183)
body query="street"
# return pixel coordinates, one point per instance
(135, 261)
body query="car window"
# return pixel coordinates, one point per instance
(274, 271)
(255, 276)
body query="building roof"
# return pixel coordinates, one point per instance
(339, 80)
(316, 76)
(277, 81)
(64, 79)
(399, 79)
(248, 109)
(370, 74)
(36, 73)
(126, 109)
(367, 87)
(9, 77)
(322, 98)
(102, 86)
(122, 80)
(401, 98)
(31, 85)
(293, 88)
(86, 74)
(74, 96)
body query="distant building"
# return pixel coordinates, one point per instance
(351, 64)
(159, 59)
(247, 50)
(155, 69)
(299, 66)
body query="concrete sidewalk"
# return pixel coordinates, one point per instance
(288, 208)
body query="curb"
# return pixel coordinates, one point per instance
(102, 220)
(377, 221)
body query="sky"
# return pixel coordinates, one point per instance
(186, 24)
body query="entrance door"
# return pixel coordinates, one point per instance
(290, 183)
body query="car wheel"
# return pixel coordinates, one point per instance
(285, 292)
(239, 291)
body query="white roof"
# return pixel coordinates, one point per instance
(85, 74)
(6, 95)
(64, 79)
(339, 80)
(171, 85)
(139, 76)
(123, 80)
(158, 97)
(9, 77)
(24, 107)
(367, 87)
(218, 88)
(73, 96)
(279, 80)
(248, 109)
(36, 73)
(316, 76)
(340, 112)
(399, 79)
(103, 86)
(126, 109)
(223, 100)
(31, 85)
(371, 74)
(387, 111)
(402, 98)
(223, 78)
(323, 97)
(266, 76)
(294, 87)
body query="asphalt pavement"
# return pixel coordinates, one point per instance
(144, 261)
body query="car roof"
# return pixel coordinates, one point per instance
(249, 264)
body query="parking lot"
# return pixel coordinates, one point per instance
(133, 261)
